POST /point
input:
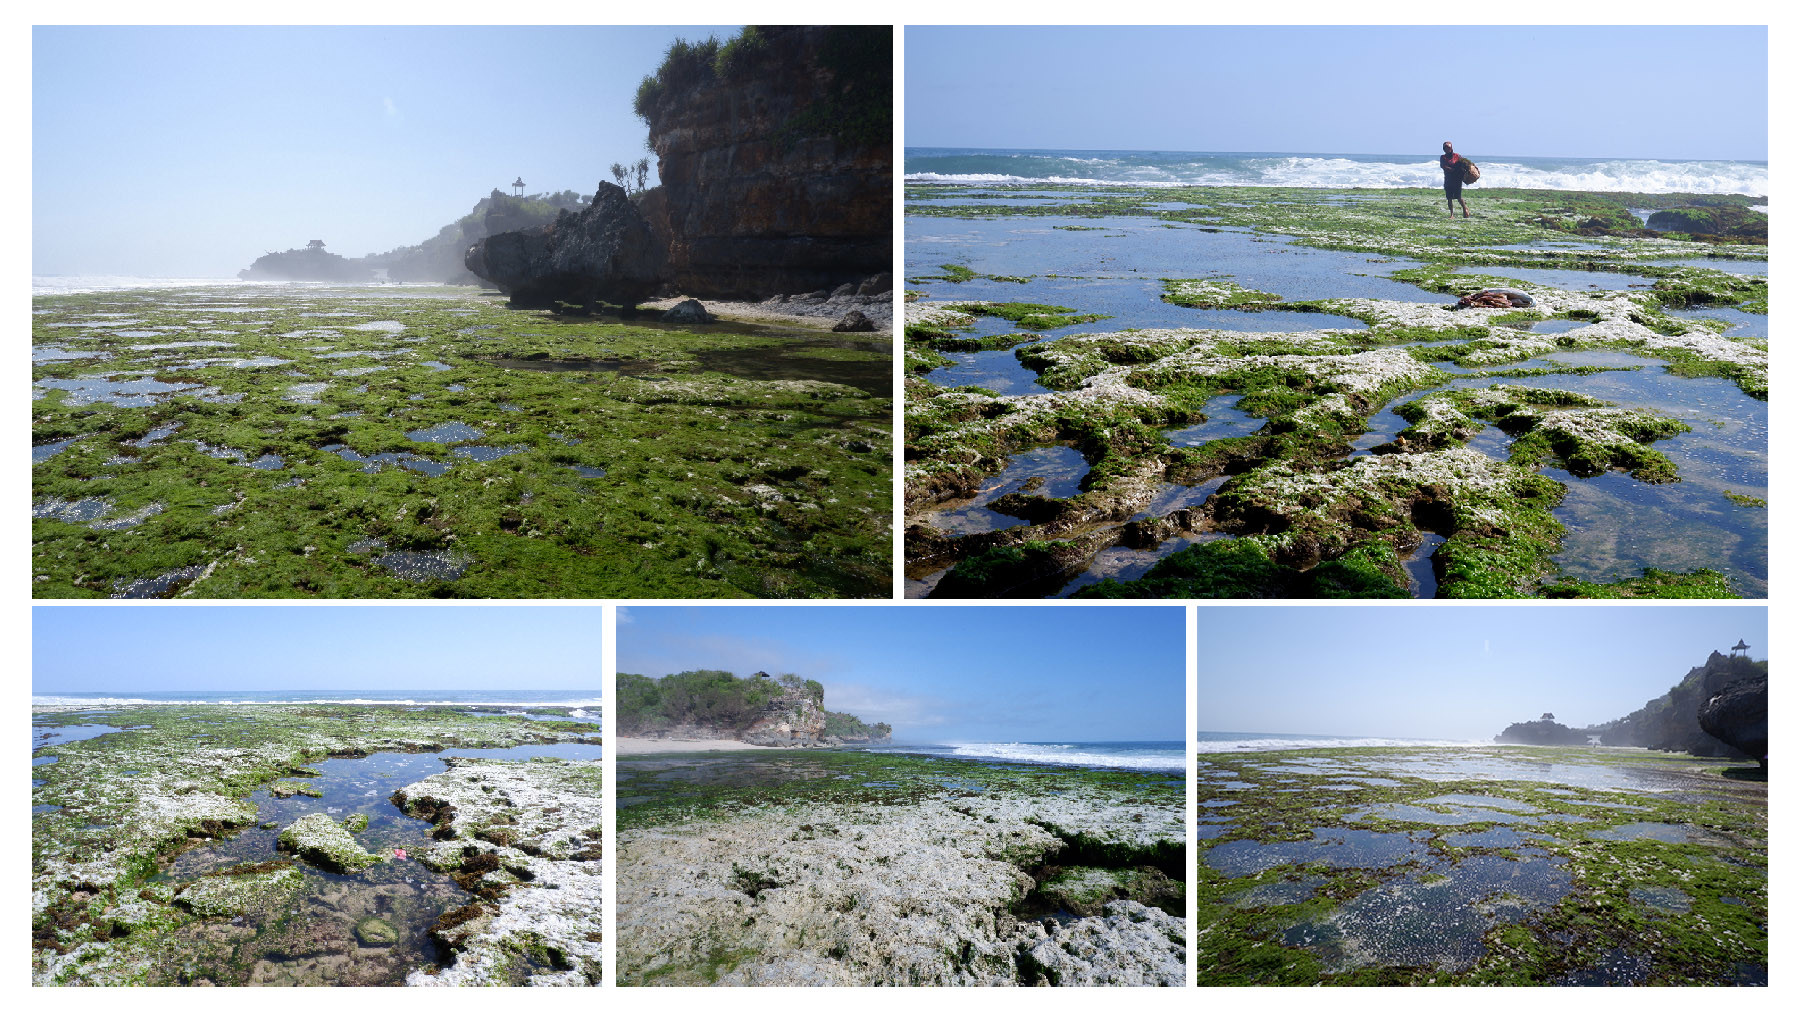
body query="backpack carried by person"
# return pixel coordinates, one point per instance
(1470, 172)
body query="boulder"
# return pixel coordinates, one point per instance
(1738, 715)
(604, 253)
(324, 843)
(690, 311)
(854, 322)
(1496, 298)
(374, 931)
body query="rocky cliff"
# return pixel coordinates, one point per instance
(761, 710)
(775, 154)
(795, 717)
(439, 259)
(602, 253)
(1671, 721)
(1717, 709)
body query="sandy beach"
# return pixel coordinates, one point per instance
(651, 746)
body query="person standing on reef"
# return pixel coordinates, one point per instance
(1453, 165)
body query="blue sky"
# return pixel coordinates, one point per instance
(939, 675)
(127, 649)
(190, 151)
(1683, 92)
(1450, 672)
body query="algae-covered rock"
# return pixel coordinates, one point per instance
(318, 839)
(375, 931)
(228, 895)
(357, 823)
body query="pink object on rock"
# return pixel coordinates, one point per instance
(401, 854)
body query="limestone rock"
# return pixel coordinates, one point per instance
(778, 177)
(1738, 715)
(690, 311)
(854, 322)
(604, 253)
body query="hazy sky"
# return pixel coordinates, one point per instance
(1450, 672)
(126, 649)
(940, 675)
(189, 152)
(1640, 92)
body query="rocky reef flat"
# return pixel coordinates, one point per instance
(1513, 865)
(863, 868)
(400, 441)
(287, 845)
(1244, 392)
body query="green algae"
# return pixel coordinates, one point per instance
(715, 484)
(132, 801)
(1604, 909)
(737, 783)
(1318, 391)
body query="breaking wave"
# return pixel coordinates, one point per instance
(1154, 756)
(1270, 743)
(1168, 169)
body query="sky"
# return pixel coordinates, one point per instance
(1617, 92)
(149, 649)
(945, 675)
(1450, 672)
(191, 151)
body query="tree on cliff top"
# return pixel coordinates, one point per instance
(708, 698)
(857, 109)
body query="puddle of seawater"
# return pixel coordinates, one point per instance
(423, 567)
(1333, 847)
(44, 451)
(1421, 574)
(1054, 472)
(1661, 832)
(129, 393)
(446, 432)
(319, 945)
(374, 462)
(1223, 421)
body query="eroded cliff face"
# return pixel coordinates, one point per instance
(1671, 721)
(793, 718)
(773, 180)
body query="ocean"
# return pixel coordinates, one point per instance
(1198, 168)
(1132, 755)
(1256, 741)
(411, 697)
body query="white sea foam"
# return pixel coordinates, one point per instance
(1633, 175)
(1277, 744)
(1070, 755)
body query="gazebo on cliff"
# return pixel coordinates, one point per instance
(1742, 649)
(518, 186)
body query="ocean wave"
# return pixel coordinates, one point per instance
(1067, 755)
(1335, 172)
(130, 701)
(1277, 744)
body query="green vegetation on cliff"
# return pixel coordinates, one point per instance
(706, 698)
(845, 725)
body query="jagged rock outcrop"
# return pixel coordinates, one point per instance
(439, 259)
(776, 164)
(1738, 714)
(311, 263)
(603, 253)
